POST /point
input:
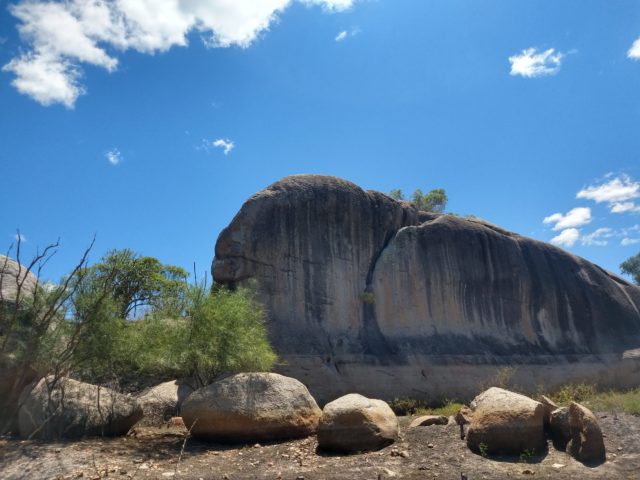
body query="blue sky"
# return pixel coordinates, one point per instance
(109, 114)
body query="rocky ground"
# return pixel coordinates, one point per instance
(434, 452)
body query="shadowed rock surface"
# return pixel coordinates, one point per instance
(365, 293)
(65, 408)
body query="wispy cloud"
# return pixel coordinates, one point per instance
(599, 237)
(573, 218)
(634, 51)
(345, 34)
(225, 144)
(113, 156)
(19, 237)
(530, 64)
(625, 242)
(567, 238)
(61, 36)
(617, 193)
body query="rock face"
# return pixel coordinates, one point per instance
(12, 378)
(71, 409)
(586, 444)
(506, 422)
(354, 423)
(362, 289)
(11, 275)
(251, 407)
(162, 402)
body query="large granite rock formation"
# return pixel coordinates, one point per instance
(368, 294)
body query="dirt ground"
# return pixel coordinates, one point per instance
(434, 452)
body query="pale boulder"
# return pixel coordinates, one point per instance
(505, 422)
(251, 407)
(354, 423)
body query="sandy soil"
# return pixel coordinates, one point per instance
(434, 452)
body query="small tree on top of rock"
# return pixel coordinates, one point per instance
(632, 267)
(433, 201)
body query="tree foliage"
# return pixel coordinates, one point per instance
(137, 282)
(433, 201)
(631, 267)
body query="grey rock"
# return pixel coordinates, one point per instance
(559, 427)
(354, 423)
(12, 277)
(587, 442)
(549, 406)
(366, 293)
(251, 407)
(65, 408)
(162, 402)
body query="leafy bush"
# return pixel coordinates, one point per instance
(222, 331)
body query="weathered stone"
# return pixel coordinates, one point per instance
(65, 408)
(549, 406)
(14, 277)
(587, 443)
(354, 423)
(428, 420)
(13, 379)
(464, 415)
(366, 292)
(506, 422)
(251, 407)
(559, 428)
(163, 401)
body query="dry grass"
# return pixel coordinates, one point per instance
(605, 401)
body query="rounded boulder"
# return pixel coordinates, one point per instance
(505, 422)
(251, 407)
(354, 423)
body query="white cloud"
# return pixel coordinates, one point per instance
(573, 218)
(531, 64)
(19, 237)
(625, 207)
(620, 189)
(629, 241)
(331, 5)
(598, 238)
(61, 35)
(344, 34)
(113, 156)
(634, 51)
(567, 238)
(227, 145)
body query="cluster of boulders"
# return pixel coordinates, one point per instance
(504, 422)
(243, 408)
(263, 407)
